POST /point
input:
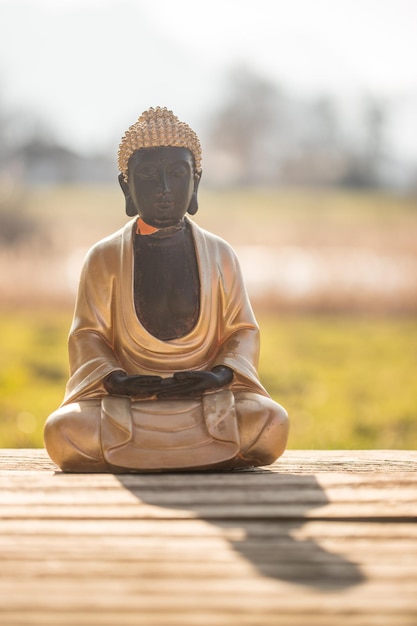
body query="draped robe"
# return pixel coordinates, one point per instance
(106, 335)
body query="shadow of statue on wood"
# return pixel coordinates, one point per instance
(261, 514)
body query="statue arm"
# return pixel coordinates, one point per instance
(90, 343)
(239, 341)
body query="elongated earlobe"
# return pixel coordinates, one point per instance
(193, 206)
(129, 207)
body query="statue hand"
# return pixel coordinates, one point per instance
(120, 384)
(195, 383)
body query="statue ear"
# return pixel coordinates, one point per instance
(193, 207)
(130, 207)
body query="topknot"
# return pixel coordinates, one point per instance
(157, 127)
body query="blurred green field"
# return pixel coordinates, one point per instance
(347, 382)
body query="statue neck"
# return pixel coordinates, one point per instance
(142, 228)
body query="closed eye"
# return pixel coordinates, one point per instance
(146, 173)
(179, 170)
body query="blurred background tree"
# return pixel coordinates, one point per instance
(262, 136)
(259, 134)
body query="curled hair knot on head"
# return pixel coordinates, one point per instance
(154, 128)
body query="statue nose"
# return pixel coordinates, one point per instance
(164, 182)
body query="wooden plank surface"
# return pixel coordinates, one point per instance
(320, 538)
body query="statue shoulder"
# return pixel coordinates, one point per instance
(109, 249)
(215, 243)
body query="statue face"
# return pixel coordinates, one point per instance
(161, 182)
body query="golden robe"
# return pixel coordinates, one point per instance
(106, 335)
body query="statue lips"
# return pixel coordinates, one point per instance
(163, 201)
(165, 205)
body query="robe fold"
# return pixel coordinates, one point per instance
(106, 334)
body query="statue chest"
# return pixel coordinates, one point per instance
(166, 283)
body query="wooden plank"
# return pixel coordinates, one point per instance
(210, 496)
(223, 600)
(230, 480)
(366, 461)
(154, 565)
(267, 493)
(162, 537)
(293, 461)
(230, 529)
(319, 538)
(357, 495)
(399, 511)
(212, 617)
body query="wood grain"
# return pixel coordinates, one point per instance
(319, 538)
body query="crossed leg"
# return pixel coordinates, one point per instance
(73, 434)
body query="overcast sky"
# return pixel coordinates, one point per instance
(89, 68)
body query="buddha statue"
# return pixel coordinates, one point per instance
(164, 345)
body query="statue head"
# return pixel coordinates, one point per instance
(160, 168)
